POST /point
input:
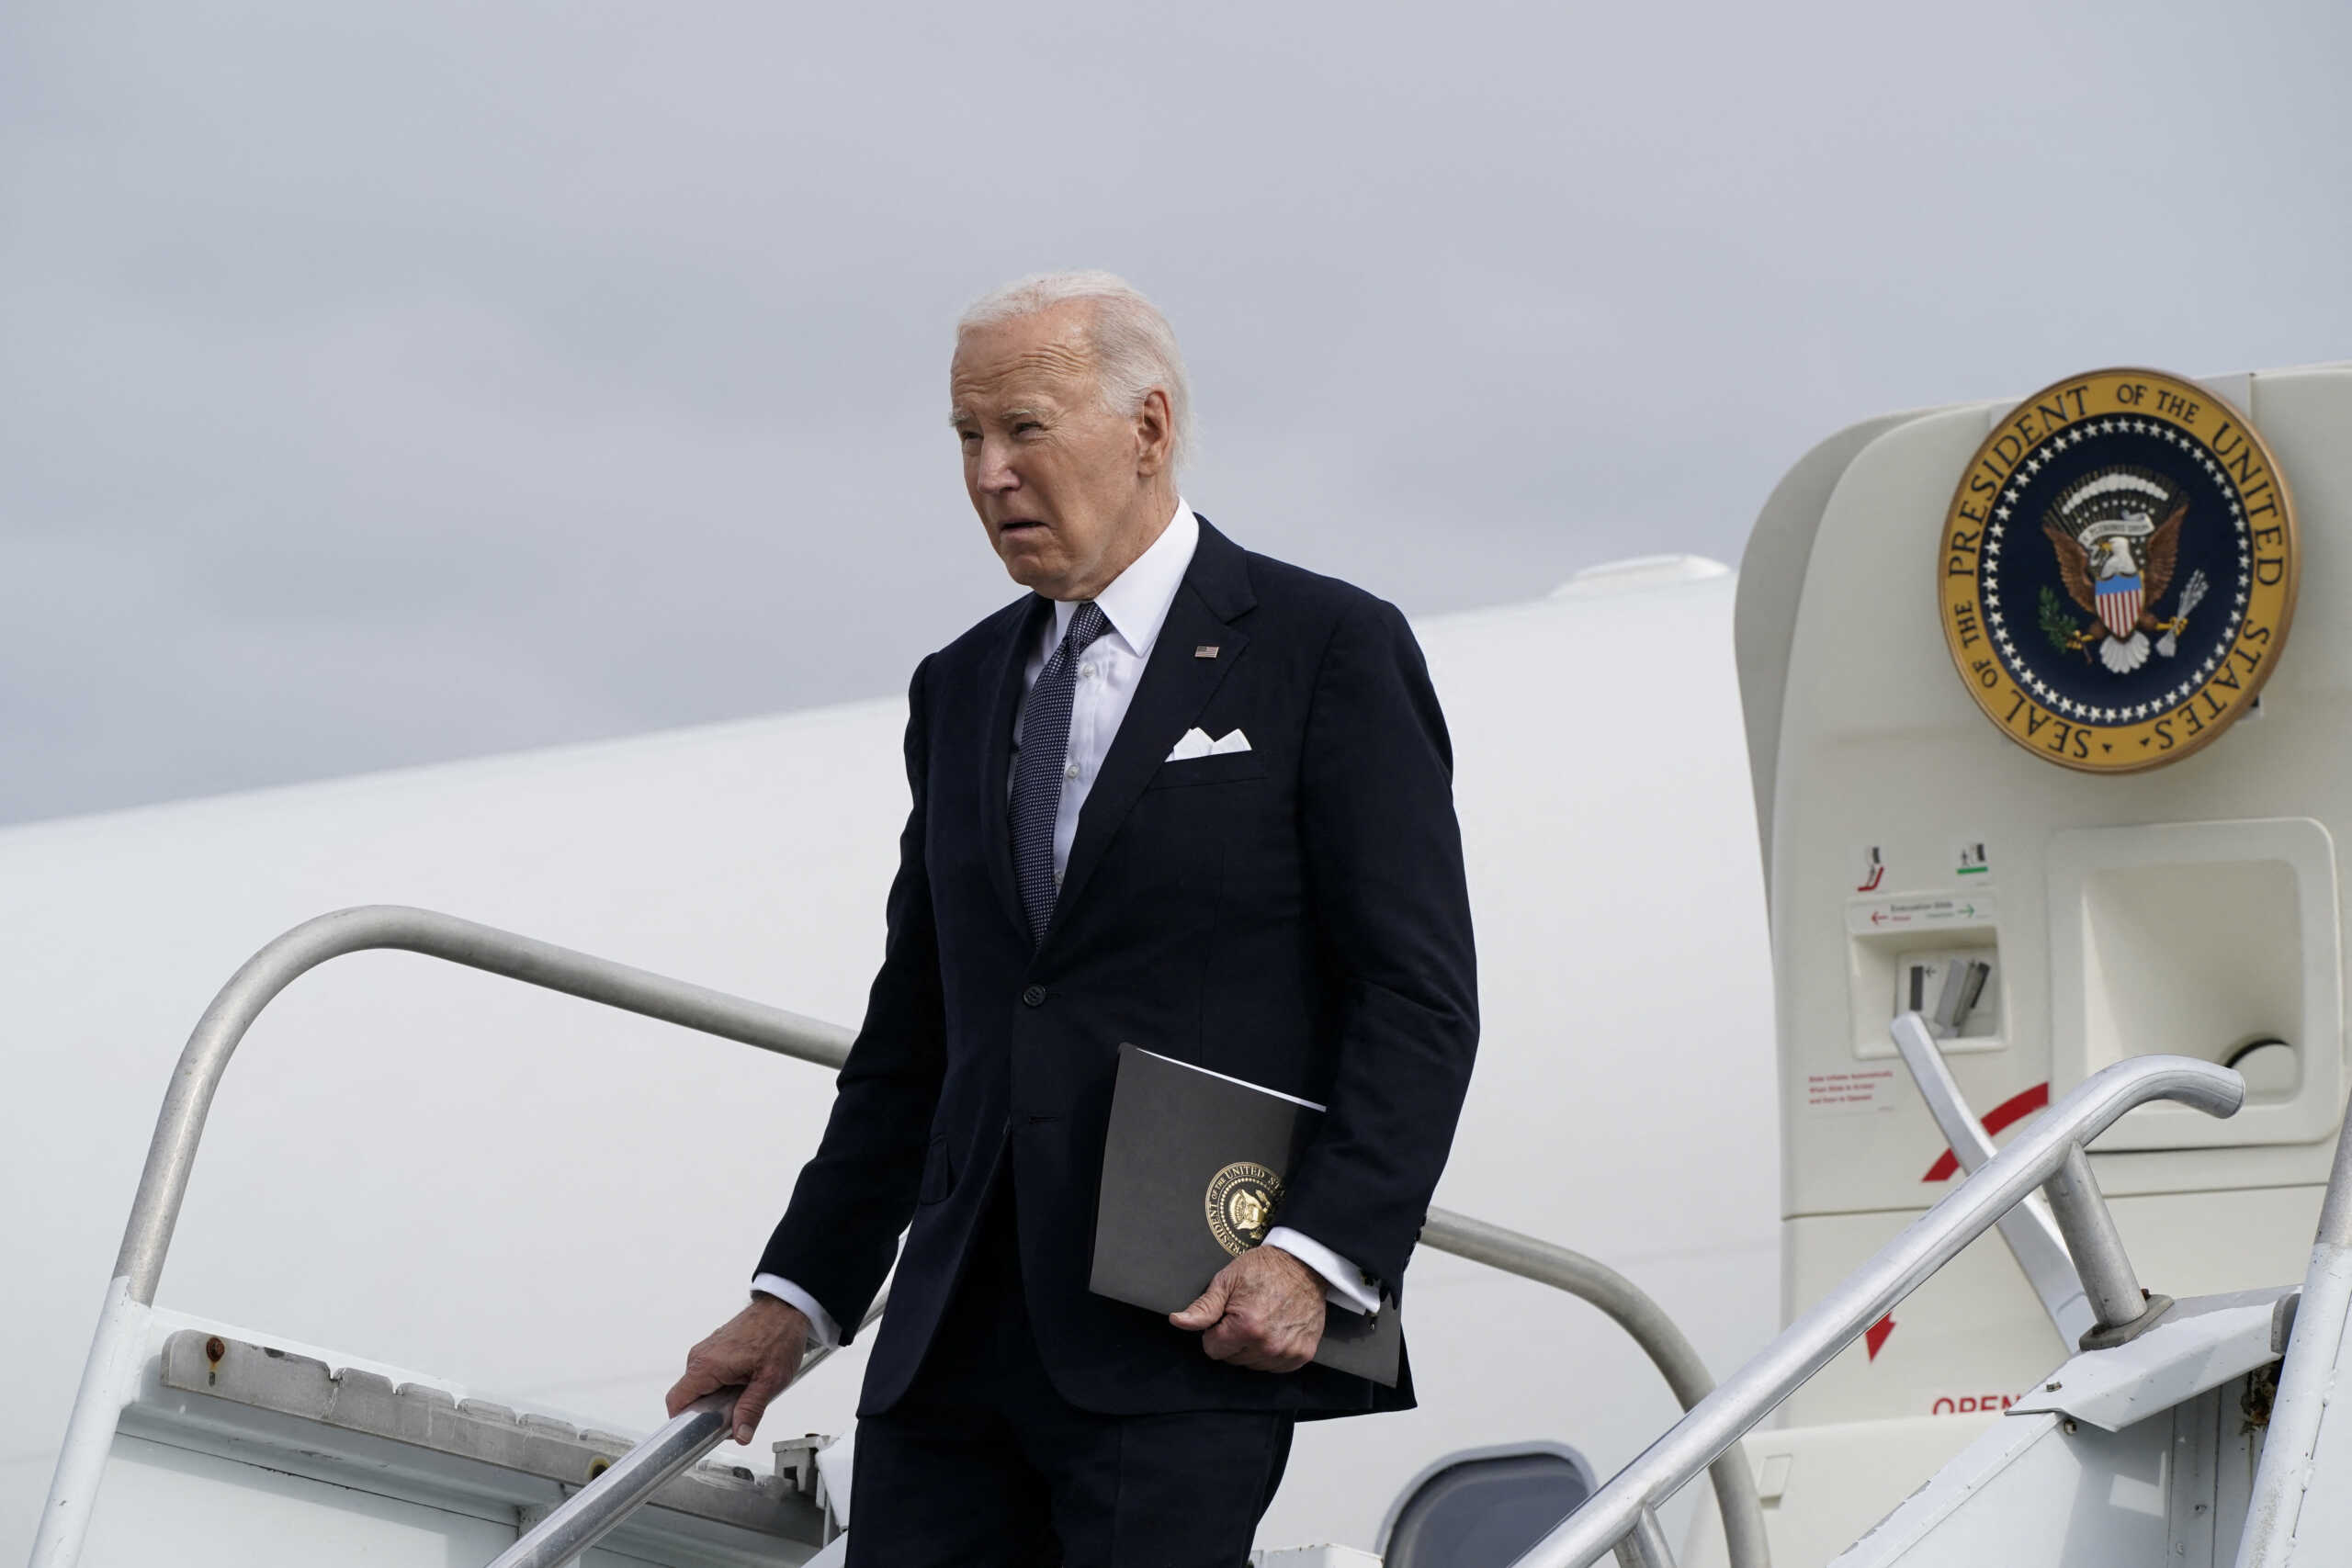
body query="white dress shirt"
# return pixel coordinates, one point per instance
(1135, 604)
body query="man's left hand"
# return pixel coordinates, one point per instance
(1263, 1311)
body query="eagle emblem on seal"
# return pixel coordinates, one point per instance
(2116, 532)
(1240, 1204)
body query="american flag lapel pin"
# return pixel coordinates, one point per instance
(1206, 650)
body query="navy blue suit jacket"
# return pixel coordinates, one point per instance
(1294, 915)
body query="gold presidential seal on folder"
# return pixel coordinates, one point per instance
(2118, 570)
(1240, 1203)
(1169, 1164)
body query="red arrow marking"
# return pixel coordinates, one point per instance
(1875, 1335)
(2010, 1111)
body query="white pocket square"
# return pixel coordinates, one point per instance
(1196, 743)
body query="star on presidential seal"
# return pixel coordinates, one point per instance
(1240, 1203)
(2118, 570)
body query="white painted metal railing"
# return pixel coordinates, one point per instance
(2311, 1392)
(110, 1376)
(1622, 1516)
(594, 1512)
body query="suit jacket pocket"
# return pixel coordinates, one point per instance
(1210, 769)
(938, 1173)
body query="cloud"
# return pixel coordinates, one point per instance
(394, 382)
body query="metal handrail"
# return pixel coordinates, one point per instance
(594, 1512)
(2033, 1234)
(2310, 1387)
(589, 1514)
(1745, 1541)
(111, 1373)
(163, 1183)
(2041, 1151)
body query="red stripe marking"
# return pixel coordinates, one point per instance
(1876, 1335)
(2014, 1109)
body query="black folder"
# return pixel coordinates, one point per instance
(1191, 1178)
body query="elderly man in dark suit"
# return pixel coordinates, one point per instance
(1283, 904)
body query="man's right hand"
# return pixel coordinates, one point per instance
(758, 1348)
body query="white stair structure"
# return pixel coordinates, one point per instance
(2150, 1446)
(281, 1453)
(2193, 1444)
(230, 1449)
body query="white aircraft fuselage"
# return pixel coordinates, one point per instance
(548, 1203)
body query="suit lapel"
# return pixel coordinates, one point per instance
(1174, 689)
(996, 753)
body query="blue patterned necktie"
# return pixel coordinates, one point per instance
(1037, 777)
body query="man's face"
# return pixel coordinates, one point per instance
(1065, 487)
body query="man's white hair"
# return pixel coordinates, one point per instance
(1135, 348)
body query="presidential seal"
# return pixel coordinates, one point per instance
(2119, 571)
(1240, 1203)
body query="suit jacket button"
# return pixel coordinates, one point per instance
(1035, 995)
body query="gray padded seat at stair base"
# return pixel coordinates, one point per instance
(1482, 1510)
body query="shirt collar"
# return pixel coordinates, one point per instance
(1136, 602)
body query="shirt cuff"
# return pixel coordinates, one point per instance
(824, 1334)
(1343, 1283)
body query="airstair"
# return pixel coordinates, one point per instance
(2177, 1434)
(2167, 1439)
(174, 1407)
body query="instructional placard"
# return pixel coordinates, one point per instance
(1852, 1092)
(1922, 912)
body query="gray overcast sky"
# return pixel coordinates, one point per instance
(388, 382)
